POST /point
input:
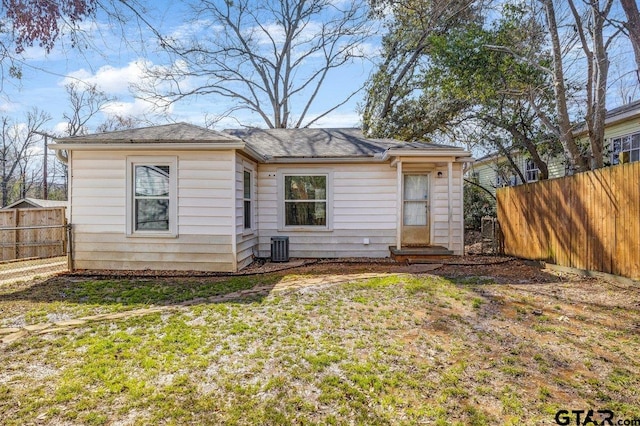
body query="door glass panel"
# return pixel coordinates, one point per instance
(415, 187)
(415, 213)
(416, 194)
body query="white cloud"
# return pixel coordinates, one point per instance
(7, 106)
(338, 120)
(112, 80)
(60, 128)
(191, 29)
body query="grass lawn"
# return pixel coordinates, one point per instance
(397, 349)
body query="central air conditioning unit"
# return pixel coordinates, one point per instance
(279, 249)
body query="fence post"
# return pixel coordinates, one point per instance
(16, 222)
(69, 247)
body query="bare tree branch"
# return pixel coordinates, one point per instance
(269, 57)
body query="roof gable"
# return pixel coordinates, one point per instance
(37, 203)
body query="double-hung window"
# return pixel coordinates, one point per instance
(626, 149)
(305, 200)
(532, 172)
(152, 199)
(247, 199)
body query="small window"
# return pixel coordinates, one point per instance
(616, 149)
(247, 199)
(532, 172)
(626, 149)
(151, 195)
(151, 201)
(305, 200)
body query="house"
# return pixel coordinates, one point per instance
(622, 142)
(182, 197)
(494, 171)
(35, 203)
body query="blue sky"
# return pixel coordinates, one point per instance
(116, 55)
(115, 63)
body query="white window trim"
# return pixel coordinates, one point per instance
(620, 140)
(252, 199)
(532, 169)
(280, 175)
(170, 161)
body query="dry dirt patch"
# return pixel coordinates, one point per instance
(500, 342)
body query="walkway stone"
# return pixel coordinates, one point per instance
(15, 336)
(71, 322)
(37, 327)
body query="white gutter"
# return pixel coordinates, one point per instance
(425, 153)
(291, 160)
(141, 146)
(156, 146)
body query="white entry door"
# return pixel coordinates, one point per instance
(415, 209)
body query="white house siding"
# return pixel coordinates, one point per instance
(363, 207)
(487, 176)
(246, 239)
(440, 209)
(622, 129)
(205, 211)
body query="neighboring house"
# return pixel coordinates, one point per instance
(35, 203)
(622, 143)
(493, 171)
(182, 197)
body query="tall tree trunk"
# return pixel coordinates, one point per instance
(633, 28)
(576, 161)
(5, 193)
(597, 75)
(600, 78)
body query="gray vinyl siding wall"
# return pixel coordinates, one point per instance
(363, 205)
(205, 214)
(246, 239)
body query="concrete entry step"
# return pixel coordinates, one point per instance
(419, 254)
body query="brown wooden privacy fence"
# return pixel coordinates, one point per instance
(589, 221)
(33, 233)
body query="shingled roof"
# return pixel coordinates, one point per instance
(169, 133)
(327, 143)
(263, 144)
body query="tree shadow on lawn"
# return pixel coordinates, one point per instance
(174, 290)
(141, 290)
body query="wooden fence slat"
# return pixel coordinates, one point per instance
(634, 221)
(587, 221)
(32, 233)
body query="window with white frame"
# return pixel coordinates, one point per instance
(247, 199)
(152, 198)
(532, 172)
(625, 149)
(305, 200)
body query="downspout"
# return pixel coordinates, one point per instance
(65, 159)
(399, 207)
(61, 156)
(450, 202)
(461, 210)
(234, 213)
